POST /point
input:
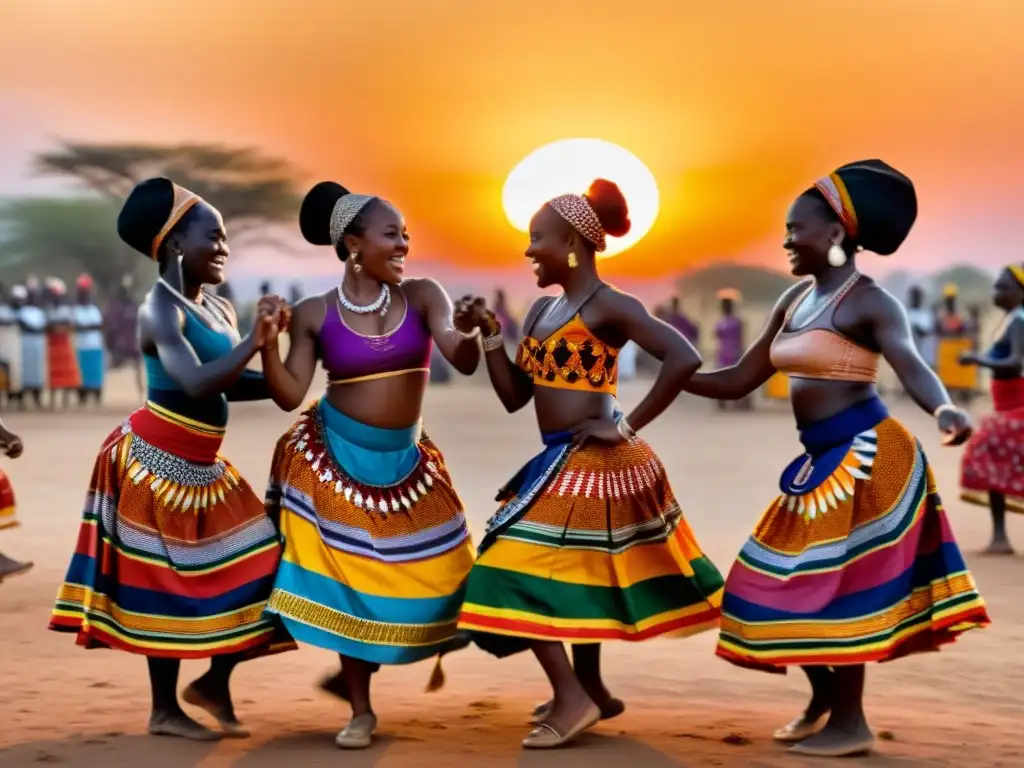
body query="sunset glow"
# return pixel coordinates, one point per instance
(570, 166)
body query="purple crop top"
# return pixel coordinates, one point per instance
(349, 357)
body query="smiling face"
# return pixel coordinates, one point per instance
(382, 247)
(1007, 292)
(203, 244)
(810, 232)
(552, 239)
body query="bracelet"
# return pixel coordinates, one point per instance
(472, 334)
(491, 343)
(943, 408)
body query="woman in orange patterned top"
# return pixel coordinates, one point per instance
(589, 543)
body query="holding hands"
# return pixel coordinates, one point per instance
(272, 317)
(471, 312)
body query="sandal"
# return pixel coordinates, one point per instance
(798, 730)
(546, 736)
(861, 747)
(358, 734)
(540, 713)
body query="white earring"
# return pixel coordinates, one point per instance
(836, 255)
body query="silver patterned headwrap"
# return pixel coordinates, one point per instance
(345, 210)
(576, 210)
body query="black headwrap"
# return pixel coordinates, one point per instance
(876, 204)
(150, 212)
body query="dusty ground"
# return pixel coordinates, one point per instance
(60, 704)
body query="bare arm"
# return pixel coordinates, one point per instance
(1005, 365)
(289, 381)
(755, 367)
(161, 322)
(250, 385)
(513, 387)
(679, 359)
(462, 351)
(891, 330)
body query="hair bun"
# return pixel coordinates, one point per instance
(315, 212)
(608, 203)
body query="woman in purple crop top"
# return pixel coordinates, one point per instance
(376, 545)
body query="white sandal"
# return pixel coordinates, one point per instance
(358, 734)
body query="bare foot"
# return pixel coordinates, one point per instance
(998, 547)
(836, 741)
(218, 703)
(181, 725)
(11, 567)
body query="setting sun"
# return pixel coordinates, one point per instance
(569, 166)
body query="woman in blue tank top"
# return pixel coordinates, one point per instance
(176, 555)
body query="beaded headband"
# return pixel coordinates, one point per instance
(834, 190)
(345, 210)
(183, 201)
(576, 210)
(1018, 272)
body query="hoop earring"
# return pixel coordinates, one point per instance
(573, 261)
(836, 255)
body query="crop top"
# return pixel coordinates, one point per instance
(570, 358)
(350, 357)
(817, 351)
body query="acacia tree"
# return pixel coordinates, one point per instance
(254, 192)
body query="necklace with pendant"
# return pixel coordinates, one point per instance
(211, 318)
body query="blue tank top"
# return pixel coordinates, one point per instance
(209, 345)
(1002, 348)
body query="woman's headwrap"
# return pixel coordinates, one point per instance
(876, 204)
(19, 293)
(84, 282)
(55, 286)
(151, 211)
(576, 210)
(950, 290)
(346, 208)
(730, 294)
(1017, 270)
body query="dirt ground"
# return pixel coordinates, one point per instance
(60, 704)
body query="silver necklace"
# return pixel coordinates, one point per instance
(212, 319)
(381, 304)
(822, 303)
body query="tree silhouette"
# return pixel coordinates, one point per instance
(251, 190)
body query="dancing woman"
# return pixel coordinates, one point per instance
(855, 561)
(992, 469)
(589, 543)
(376, 548)
(176, 555)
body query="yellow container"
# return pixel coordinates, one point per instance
(952, 374)
(777, 387)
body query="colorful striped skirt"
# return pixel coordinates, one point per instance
(8, 507)
(376, 547)
(176, 555)
(92, 364)
(994, 457)
(855, 561)
(588, 545)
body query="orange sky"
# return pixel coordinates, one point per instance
(430, 103)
